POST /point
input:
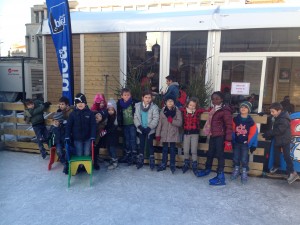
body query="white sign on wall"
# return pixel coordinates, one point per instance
(240, 88)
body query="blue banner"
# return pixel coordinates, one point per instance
(60, 26)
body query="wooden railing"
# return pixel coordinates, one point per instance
(14, 125)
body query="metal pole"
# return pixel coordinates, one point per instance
(23, 80)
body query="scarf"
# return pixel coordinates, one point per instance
(189, 111)
(125, 105)
(170, 112)
(145, 108)
(207, 126)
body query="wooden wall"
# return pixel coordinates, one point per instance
(54, 80)
(101, 57)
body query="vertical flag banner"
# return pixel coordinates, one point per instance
(60, 27)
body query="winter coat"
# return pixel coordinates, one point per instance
(153, 117)
(56, 135)
(169, 132)
(100, 127)
(120, 111)
(81, 125)
(112, 131)
(35, 115)
(221, 123)
(191, 121)
(244, 131)
(282, 129)
(67, 112)
(172, 92)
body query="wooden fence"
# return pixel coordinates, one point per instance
(14, 126)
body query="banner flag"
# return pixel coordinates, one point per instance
(60, 27)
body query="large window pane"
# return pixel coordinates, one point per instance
(187, 55)
(260, 40)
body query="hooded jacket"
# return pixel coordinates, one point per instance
(282, 129)
(35, 116)
(172, 92)
(97, 99)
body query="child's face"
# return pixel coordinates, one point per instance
(126, 96)
(102, 105)
(111, 111)
(80, 105)
(216, 100)
(56, 123)
(147, 99)
(98, 118)
(168, 82)
(192, 105)
(275, 112)
(30, 106)
(170, 104)
(244, 110)
(62, 106)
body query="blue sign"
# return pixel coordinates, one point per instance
(60, 27)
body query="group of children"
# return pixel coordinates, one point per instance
(80, 126)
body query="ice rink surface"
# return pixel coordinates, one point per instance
(30, 194)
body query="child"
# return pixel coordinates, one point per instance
(125, 115)
(57, 137)
(146, 118)
(172, 90)
(281, 133)
(167, 132)
(244, 137)
(101, 121)
(81, 126)
(219, 127)
(34, 114)
(65, 108)
(191, 126)
(112, 135)
(99, 103)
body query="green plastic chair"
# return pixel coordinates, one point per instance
(75, 161)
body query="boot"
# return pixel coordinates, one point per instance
(140, 161)
(186, 166)
(163, 164)
(202, 173)
(244, 176)
(152, 162)
(134, 157)
(195, 167)
(218, 180)
(113, 165)
(235, 173)
(66, 168)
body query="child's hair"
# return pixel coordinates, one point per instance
(27, 102)
(276, 105)
(65, 100)
(146, 93)
(219, 93)
(170, 77)
(193, 99)
(123, 90)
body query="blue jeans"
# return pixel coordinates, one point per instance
(60, 152)
(41, 133)
(240, 154)
(172, 153)
(112, 150)
(148, 142)
(130, 138)
(82, 148)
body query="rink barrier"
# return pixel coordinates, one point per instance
(15, 125)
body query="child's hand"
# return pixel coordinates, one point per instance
(147, 130)
(252, 149)
(158, 138)
(170, 119)
(227, 146)
(103, 133)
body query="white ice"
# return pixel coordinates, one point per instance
(30, 194)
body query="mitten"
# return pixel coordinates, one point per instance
(227, 146)
(267, 135)
(252, 149)
(170, 119)
(147, 130)
(158, 138)
(47, 104)
(141, 128)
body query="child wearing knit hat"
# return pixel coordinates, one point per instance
(244, 138)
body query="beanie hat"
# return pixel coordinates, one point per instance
(58, 116)
(112, 104)
(171, 97)
(80, 98)
(246, 104)
(98, 98)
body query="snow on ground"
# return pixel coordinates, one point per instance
(30, 194)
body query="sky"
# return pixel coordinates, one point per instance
(14, 14)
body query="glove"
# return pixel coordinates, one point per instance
(158, 138)
(141, 129)
(147, 130)
(46, 104)
(267, 135)
(68, 141)
(102, 133)
(170, 119)
(261, 113)
(252, 149)
(227, 146)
